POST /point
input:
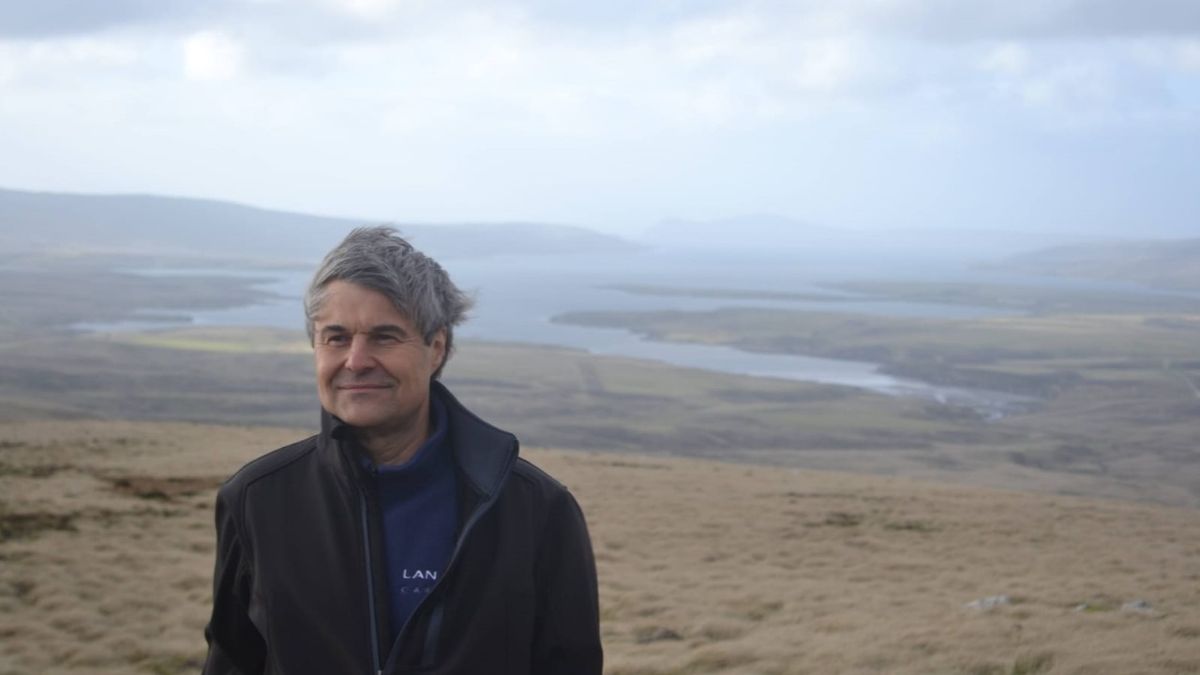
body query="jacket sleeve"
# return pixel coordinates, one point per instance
(567, 628)
(235, 646)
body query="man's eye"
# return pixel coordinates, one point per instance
(336, 340)
(385, 339)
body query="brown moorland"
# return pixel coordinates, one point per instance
(106, 549)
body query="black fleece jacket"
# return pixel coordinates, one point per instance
(300, 585)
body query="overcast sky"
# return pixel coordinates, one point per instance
(1067, 115)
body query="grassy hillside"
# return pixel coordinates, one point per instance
(1119, 394)
(106, 541)
(558, 397)
(1121, 430)
(1171, 264)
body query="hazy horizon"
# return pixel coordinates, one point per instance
(752, 233)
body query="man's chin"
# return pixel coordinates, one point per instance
(364, 418)
(375, 417)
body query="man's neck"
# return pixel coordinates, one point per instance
(396, 446)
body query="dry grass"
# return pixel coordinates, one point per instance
(106, 550)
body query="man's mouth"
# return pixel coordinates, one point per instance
(362, 387)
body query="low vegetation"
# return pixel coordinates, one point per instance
(704, 567)
(1118, 394)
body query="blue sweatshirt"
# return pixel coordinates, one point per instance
(418, 502)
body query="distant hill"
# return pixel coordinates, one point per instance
(744, 232)
(155, 225)
(774, 234)
(1168, 264)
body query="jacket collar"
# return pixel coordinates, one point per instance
(483, 453)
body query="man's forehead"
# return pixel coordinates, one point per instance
(362, 320)
(343, 300)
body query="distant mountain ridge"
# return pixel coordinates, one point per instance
(775, 233)
(1167, 264)
(180, 226)
(749, 231)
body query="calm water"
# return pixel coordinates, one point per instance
(516, 297)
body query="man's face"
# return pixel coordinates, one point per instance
(373, 366)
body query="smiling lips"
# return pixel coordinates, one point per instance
(363, 386)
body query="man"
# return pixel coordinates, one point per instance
(407, 536)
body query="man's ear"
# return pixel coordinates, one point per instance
(438, 343)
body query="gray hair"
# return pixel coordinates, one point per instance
(380, 259)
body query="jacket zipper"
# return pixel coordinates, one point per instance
(435, 622)
(435, 627)
(362, 502)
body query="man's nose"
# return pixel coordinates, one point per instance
(359, 357)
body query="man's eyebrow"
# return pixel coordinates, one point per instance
(389, 328)
(386, 328)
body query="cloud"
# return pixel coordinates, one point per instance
(827, 65)
(65, 17)
(212, 56)
(373, 9)
(1007, 59)
(46, 62)
(932, 20)
(1120, 18)
(1188, 55)
(49, 18)
(1076, 86)
(1092, 86)
(957, 21)
(711, 39)
(788, 106)
(728, 71)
